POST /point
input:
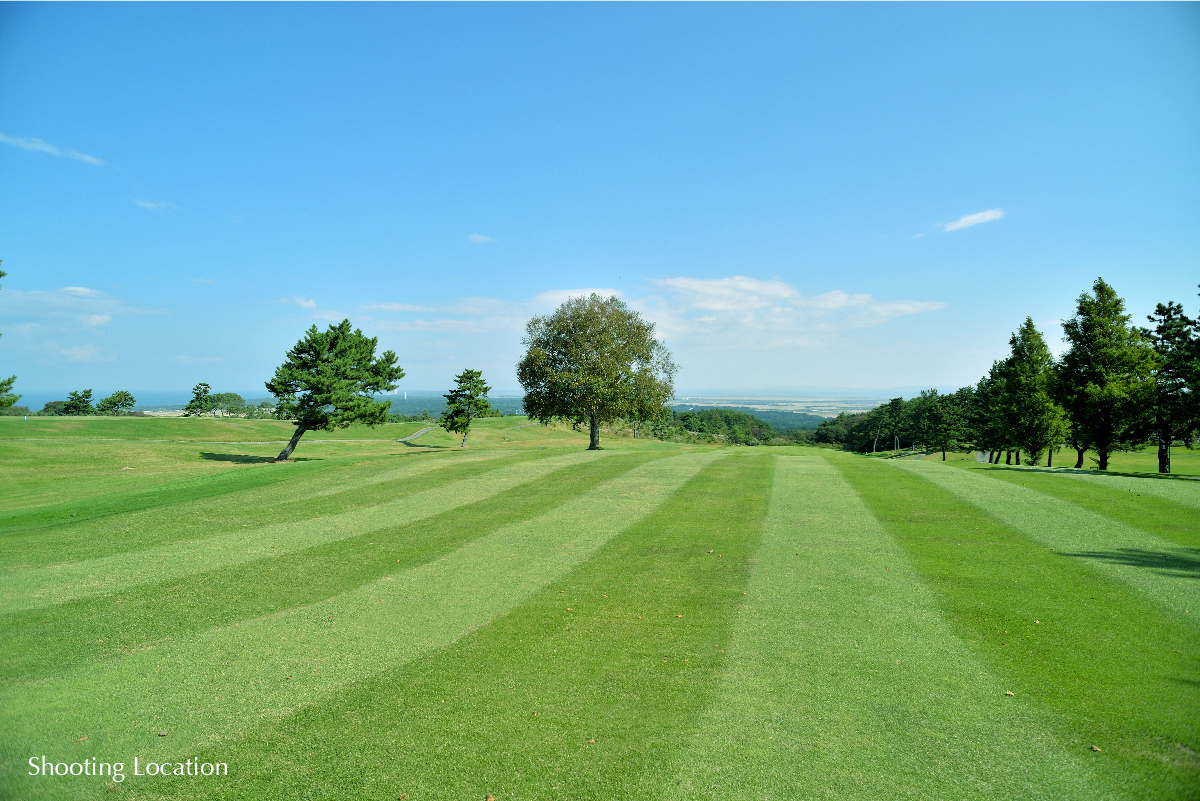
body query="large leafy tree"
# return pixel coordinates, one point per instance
(1106, 377)
(78, 403)
(228, 403)
(201, 402)
(1033, 420)
(467, 401)
(329, 380)
(1176, 339)
(594, 360)
(120, 402)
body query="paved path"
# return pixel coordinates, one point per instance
(419, 433)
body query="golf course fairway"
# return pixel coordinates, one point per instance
(529, 620)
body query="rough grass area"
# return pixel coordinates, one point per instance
(526, 619)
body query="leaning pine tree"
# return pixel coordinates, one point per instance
(329, 380)
(594, 360)
(467, 401)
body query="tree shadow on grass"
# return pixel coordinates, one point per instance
(1058, 471)
(1183, 563)
(242, 458)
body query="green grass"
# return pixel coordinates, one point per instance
(379, 619)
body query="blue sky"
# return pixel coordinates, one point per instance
(837, 195)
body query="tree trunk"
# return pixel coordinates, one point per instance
(1018, 458)
(594, 444)
(1079, 461)
(943, 456)
(464, 442)
(1103, 454)
(1050, 457)
(291, 446)
(1008, 457)
(1164, 455)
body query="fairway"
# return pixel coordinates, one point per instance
(384, 619)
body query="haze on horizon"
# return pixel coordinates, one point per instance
(803, 196)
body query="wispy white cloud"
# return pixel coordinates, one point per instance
(396, 307)
(65, 324)
(303, 303)
(68, 308)
(733, 312)
(974, 219)
(201, 282)
(38, 146)
(87, 353)
(154, 205)
(198, 359)
(746, 313)
(480, 239)
(764, 331)
(313, 311)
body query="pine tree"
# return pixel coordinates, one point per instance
(1106, 379)
(1033, 420)
(1176, 339)
(467, 401)
(329, 380)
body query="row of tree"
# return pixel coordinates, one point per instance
(224, 404)
(80, 403)
(1117, 387)
(710, 425)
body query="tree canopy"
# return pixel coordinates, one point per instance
(1107, 375)
(1176, 410)
(329, 380)
(78, 403)
(467, 401)
(1033, 420)
(594, 360)
(201, 402)
(228, 403)
(120, 402)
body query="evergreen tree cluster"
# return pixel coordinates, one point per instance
(1117, 386)
(715, 425)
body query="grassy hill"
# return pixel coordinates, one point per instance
(529, 620)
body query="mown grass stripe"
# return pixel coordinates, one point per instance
(304, 496)
(1177, 490)
(1116, 670)
(1127, 504)
(459, 723)
(844, 680)
(122, 706)
(1157, 567)
(99, 628)
(27, 588)
(162, 493)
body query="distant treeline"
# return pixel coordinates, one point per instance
(714, 425)
(420, 407)
(778, 420)
(1117, 387)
